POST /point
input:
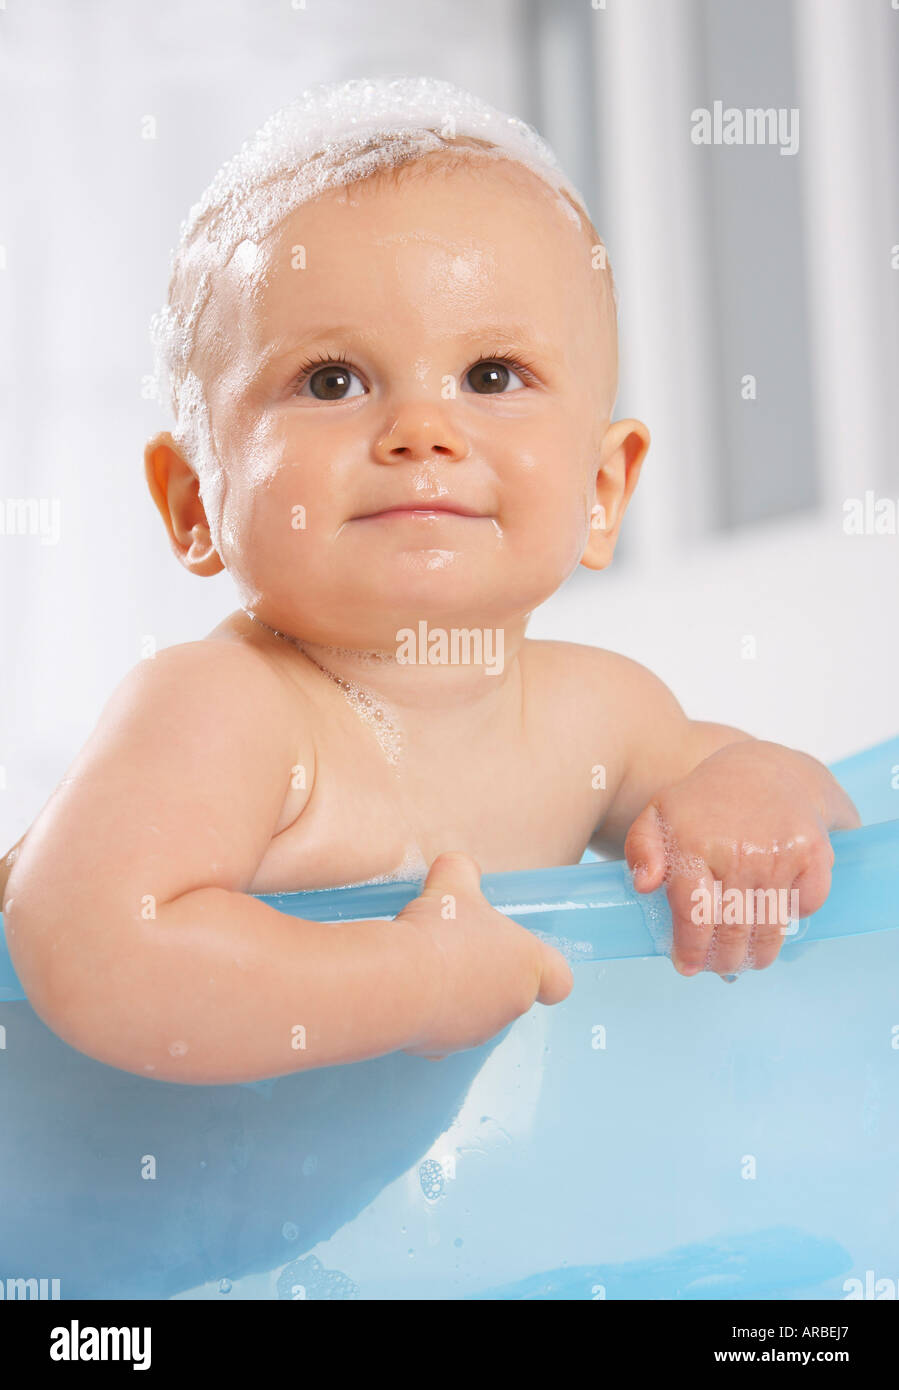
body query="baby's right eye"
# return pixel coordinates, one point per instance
(329, 382)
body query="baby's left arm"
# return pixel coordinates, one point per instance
(737, 827)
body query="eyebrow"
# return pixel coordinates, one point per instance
(505, 334)
(289, 346)
(510, 333)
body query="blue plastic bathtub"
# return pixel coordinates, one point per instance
(651, 1137)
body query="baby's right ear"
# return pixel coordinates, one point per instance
(175, 489)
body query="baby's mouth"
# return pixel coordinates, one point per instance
(438, 512)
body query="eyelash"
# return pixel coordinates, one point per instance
(524, 368)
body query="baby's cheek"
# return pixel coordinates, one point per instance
(250, 541)
(559, 525)
(213, 497)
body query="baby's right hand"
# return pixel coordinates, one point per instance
(490, 969)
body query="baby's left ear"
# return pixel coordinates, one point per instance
(622, 452)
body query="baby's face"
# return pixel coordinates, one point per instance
(418, 477)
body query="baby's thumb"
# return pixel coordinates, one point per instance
(556, 980)
(454, 873)
(644, 850)
(450, 873)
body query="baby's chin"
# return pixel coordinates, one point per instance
(364, 606)
(382, 629)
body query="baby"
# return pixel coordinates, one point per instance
(391, 337)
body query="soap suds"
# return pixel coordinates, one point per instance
(371, 709)
(412, 869)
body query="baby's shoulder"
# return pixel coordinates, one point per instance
(561, 663)
(210, 658)
(212, 676)
(603, 689)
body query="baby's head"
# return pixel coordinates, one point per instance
(391, 299)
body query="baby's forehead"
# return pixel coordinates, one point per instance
(485, 210)
(491, 200)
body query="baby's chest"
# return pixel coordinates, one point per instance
(367, 818)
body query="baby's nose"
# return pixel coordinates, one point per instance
(418, 433)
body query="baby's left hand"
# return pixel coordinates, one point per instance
(746, 820)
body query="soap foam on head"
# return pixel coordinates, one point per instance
(333, 134)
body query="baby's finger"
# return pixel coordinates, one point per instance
(644, 850)
(691, 902)
(765, 943)
(812, 886)
(749, 932)
(732, 948)
(761, 923)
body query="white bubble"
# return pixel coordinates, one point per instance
(412, 869)
(573, 951)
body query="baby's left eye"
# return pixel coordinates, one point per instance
(491, 377)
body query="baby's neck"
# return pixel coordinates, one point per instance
(453, 679)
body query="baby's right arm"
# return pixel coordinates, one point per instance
(130, 926)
